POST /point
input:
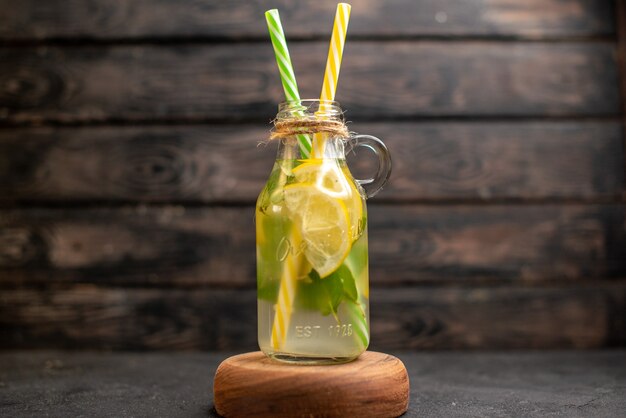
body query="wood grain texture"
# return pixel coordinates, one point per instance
(195, 247)
(497, 230)
(220, 163)
(582, 316)
(400, 80)
(620, 12)
(252, 385)
(101, 19)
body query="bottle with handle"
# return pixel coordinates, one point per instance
(311, 223)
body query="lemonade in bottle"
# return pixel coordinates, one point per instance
(311, 227)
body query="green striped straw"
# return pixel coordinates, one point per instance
(357, 315)
(287, 75)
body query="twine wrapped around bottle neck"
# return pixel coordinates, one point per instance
(289, 127)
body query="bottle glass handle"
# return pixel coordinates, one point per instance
(375, 184)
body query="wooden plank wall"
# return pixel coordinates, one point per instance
(129, 167)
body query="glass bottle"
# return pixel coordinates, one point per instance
(311, 228)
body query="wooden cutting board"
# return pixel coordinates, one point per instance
(251, 384)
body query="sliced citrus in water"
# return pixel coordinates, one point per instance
(324, 224)
(329, 178)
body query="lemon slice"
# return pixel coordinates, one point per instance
(329, 178)
(324, 224)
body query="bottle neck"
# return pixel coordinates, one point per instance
(288, 149)
(307, 109)
(308, 128)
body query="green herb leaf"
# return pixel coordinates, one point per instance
(356, 262)
(269, 268)
(356, 315)
(268, 289)
(348, 282)
(316, 294)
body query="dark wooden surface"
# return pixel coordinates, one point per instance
(99, 19)
(129, 167)
(177, 246)
(161, 83)
(521, 384)
(508, 317)
(220, 163)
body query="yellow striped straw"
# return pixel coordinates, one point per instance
(333, 64)
(286, 294)
(288, 282)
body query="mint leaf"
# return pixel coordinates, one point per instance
(268, 290)
(348, 283)
(316, 294)
(357, 259)
(270, 232)
(356, 316)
